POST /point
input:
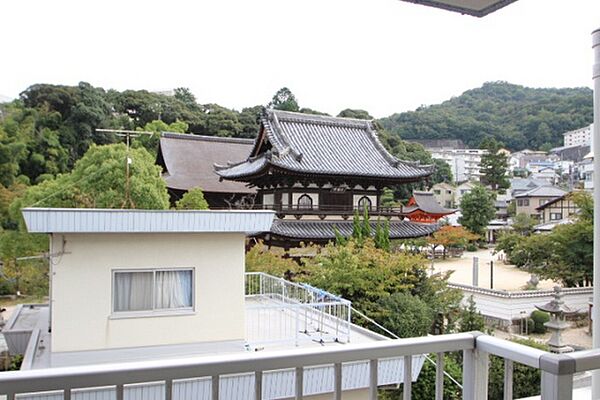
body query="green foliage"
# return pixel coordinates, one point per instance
(494, 165)
(406, 315)
(477, 207)
(539, 319)
(26, 276)
(442, 173)
(193, 199)
(99, 181)
(424, 387)
(260, 259)
(526, 380)
(470, 319)
(523, 224)
(387, 198)
(518, 116)
(284, 100)
(565, 254)
(355, 113)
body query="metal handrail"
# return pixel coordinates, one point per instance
(557, 370)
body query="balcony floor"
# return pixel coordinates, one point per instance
(259, 336)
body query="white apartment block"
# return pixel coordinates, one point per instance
(579, 137)
(464, 163)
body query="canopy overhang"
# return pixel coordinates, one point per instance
(477, 8)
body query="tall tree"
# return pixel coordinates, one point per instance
(477, 208)
(284, 100)
(494, 165)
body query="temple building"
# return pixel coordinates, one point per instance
(423, 207)
(316, 171)
(187, 161)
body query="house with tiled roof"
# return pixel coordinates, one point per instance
(317, 171)
(529, 202)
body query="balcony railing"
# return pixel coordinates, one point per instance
(281, 311)
(119, 380)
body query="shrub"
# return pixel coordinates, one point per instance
(406, 315)
(471, 247)
(539, 319)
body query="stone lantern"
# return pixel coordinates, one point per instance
(557, 324)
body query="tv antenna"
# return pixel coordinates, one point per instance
(128, 135)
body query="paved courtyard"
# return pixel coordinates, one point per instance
(506, 276)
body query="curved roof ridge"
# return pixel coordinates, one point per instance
(193, 136)
(321, 119)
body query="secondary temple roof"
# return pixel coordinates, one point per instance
(325, 230)
(306, 144)
(188, 161)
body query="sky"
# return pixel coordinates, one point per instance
(383, 56)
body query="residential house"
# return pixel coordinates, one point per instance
(586, 170)
(558, 209)
(461, 189)
(444, 194)
(135, 285)
(522, 185)
(528, 202)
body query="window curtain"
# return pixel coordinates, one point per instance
(133, 291)
(173, 289)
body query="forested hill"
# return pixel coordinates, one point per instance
(518, 116)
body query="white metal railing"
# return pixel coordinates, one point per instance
(281, 311)
(557, 370)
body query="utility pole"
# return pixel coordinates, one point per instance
(128, 135)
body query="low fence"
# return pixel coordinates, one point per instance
(510, 306)
(281, 311)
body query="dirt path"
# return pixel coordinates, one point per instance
(506, 276)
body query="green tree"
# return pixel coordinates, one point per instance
(284, 100)
(442, 172)
(477, 208)
(406, 315)
(355, 113)
(523, 224)
(470, 319)
(193, 199)
(99, 181)
(494, 165)
(28, 276)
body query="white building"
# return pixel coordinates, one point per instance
(464, 163)
(133, 285)
(579, 137)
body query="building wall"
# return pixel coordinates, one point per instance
(82, 289)
(534, 202)
(444, 194)
(563, 208)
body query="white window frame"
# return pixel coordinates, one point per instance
(154, 312)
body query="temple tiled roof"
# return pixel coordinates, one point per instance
(426, 202)
(314, 144)
(323, 230)
(188, 161)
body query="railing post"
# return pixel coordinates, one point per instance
(439, 376)
(557, 376)
(407, 380)
(337, 381)
(258, 385)
(373, 380)
(508, 379)
(475, 374)
(299, 392)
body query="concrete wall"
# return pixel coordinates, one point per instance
(82, 289)
(507, 306)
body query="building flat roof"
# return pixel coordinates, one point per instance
(476, 8)
(93, 220)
